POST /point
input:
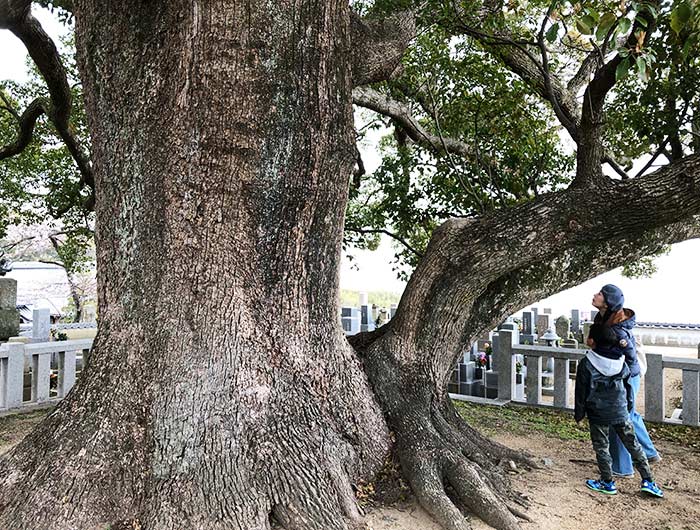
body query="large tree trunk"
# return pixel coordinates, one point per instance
(221, 388)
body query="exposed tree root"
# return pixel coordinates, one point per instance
(309, 490)
(520, 514)
(453, 469)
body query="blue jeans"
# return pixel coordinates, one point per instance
(621, 459)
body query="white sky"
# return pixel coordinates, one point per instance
(672, 295)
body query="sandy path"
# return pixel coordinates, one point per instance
(560, 501)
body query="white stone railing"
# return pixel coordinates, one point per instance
(654, 401)
(14, 357)
(75, 325)
(504, 363)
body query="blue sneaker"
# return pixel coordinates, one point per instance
(651, 488)
(602, 486)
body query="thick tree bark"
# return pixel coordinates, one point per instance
(221, 389)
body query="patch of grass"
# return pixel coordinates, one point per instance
(560, 424)
(522, 420)
(14, 427)
(679, 434)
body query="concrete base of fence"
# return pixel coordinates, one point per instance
(29, 408)
(480, 400)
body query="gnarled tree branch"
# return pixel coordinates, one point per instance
(583, 75)
(16, 16)
(464, 257)
(374, 100)
(26, 122)
(568, 269)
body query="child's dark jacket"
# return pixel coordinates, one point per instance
(605, 399)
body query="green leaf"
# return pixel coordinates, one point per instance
(552, 32)
(676, 24)
(685, 11)
(624, 25)
(622, 69)
(584, 28)
(680, 16)
(642, 69)
(588, 21)
(604, 25)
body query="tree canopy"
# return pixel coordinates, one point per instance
(471, 125)
(42, 184)
(474, 128)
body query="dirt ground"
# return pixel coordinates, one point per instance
(14, 427)
(560, 501)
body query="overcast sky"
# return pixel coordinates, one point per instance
(672, 295)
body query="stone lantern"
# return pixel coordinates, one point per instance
(551, 337)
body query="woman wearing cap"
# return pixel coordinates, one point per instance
(609, 303)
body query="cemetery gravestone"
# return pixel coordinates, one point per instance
(366, 320)
(41, 325)
(542, 324)
(350, 318)
(575, 320)
(527, 322)
(562, 327)
(9, 316)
